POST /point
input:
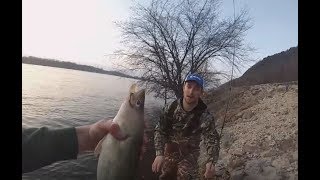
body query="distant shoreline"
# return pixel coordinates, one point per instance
(69, 65)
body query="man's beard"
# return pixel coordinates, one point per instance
(190, 100)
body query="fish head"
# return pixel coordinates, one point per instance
(137, 98)
(131, 114)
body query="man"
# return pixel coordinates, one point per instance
(186, 141)
(44, 146)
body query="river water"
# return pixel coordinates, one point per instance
(56, 98)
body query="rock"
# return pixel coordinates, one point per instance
(236, 162)
(247, 114)
(238, 153)
(255, 91)
(235, 151)
(250, 155)
(237, 174)
(254, 118)
(250, 148)
(269, 171)
(239, 115)
(222, 155)
(220, 168)
(227, 140)
(285, 112)
(290, 169)
(286, 144)
(253, 177)
(270, 91)
(281, 163)
(266, 173)
(269, 137)
(245, 106)
(281, 88)
(272, 143)
(293, 177)
(274, 177)
(254, 167)
(269, 153)
(293, 157)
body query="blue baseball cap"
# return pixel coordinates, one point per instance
(195, 77)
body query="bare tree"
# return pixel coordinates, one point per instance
(169, 39)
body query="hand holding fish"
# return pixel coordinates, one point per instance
(90, 135)
(210, 170)
(156, 166)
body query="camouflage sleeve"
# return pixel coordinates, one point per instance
(161, 132)
(210, 138)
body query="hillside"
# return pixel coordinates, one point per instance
(70, 65)
(278, 68)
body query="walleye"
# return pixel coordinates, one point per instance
(118, 160)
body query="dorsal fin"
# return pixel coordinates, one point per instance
(133, 88)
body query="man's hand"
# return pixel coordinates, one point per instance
(157, 163)
(90, 135)
(210, 171)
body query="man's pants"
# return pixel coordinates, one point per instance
(178, 165)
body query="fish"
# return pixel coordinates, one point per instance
(118, 160)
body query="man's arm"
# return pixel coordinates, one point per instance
(43, 146)
(161, 132)
(210, 138)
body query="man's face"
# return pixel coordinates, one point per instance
(191, 92)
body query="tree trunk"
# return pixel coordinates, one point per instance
(179, 93)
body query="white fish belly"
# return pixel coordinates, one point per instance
(118, 160)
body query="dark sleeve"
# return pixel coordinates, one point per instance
(44, 146)
(210, 138)
(161, 132)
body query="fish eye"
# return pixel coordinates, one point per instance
(138, 103)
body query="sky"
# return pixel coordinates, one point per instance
(83, 31)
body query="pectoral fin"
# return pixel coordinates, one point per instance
(98, 148)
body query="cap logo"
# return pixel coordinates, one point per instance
(193, 76)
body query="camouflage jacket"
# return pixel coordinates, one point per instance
(182, 126)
